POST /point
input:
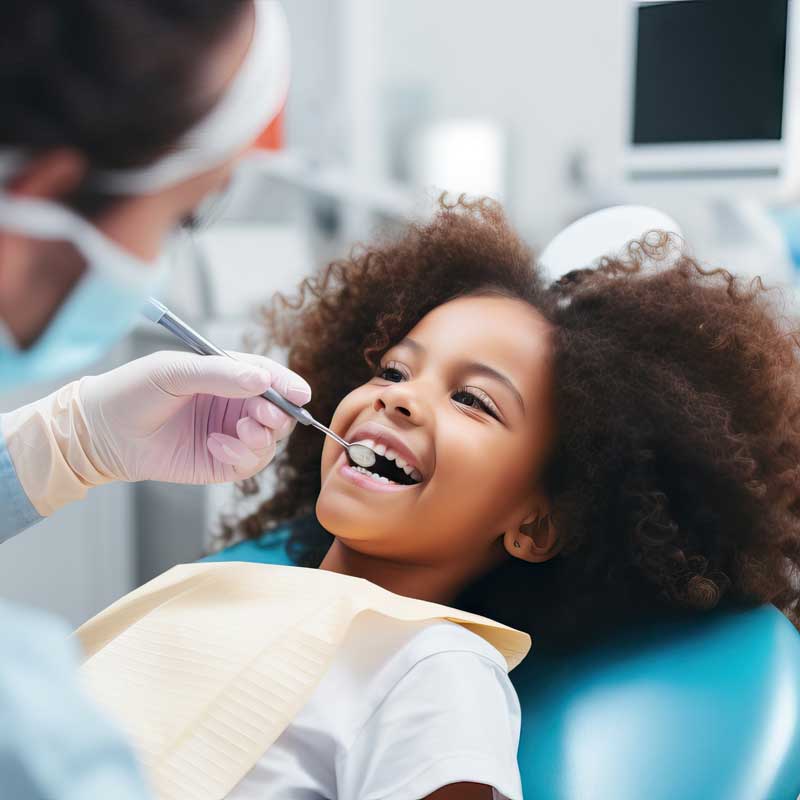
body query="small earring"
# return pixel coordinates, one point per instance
(516, 543)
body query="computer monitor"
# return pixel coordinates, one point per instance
(714, 95)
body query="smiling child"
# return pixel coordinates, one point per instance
(623, 442)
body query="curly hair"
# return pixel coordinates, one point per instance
(674, 482)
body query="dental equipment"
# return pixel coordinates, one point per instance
(158, 313)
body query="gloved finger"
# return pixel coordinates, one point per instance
(243, 472)
(280, 425)
(231, 451)
(255, 436)
(269, 415)
(284, 381)
(185, 374)
(284, 430)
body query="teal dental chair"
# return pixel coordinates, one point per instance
(706, 710)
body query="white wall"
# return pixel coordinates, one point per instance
(553, 72)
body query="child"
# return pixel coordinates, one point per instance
(663, 448)
(560, 459)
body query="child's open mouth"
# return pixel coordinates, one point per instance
(397, 467)
(387, 470)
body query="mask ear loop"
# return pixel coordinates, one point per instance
(43, 219)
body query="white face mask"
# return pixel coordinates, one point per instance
(107, 300)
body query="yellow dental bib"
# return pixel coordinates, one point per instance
(206, 665)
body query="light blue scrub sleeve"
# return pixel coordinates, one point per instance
(54, 744)
(16, 511)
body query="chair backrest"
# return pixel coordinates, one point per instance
(708, 709)
(705, 710)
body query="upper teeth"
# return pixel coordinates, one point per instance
(392, 455)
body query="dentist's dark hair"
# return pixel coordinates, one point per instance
(674, 483)
(117, 80)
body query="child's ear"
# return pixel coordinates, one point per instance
(535, 538)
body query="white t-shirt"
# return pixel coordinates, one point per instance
(405, 709)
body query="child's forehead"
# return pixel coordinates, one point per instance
(506, 329)
(483, 315)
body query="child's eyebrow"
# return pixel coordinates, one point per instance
(408, 342)
(491, 372)
(474, 366)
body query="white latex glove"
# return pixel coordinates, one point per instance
(186, 418)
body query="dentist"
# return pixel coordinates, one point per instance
(119, 117)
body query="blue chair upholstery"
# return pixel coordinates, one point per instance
(700, 710)
(267, 550)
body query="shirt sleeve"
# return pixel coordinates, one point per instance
(453, 717)
(54, 743)
(17, 511)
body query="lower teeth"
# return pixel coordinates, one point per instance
(375, 475)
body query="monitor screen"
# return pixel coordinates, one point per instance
(710, 71)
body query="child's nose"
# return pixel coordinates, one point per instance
(382, 405)
(396, 399)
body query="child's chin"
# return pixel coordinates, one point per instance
(345, 519)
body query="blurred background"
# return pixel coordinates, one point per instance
(555, 109)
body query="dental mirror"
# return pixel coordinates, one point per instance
(361, 454)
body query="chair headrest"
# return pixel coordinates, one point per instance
(603, 233)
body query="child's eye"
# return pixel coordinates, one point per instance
(390, 373)
(467, 395)
(475, 398)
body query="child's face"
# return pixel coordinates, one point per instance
(466, 398)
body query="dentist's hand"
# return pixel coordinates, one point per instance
(186, 418)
